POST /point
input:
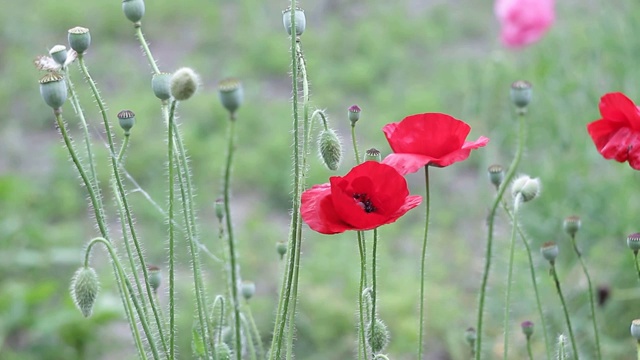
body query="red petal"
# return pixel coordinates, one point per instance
(619, 108)
(620, 144)
(407, 163)
(318, 212)
(601, 131)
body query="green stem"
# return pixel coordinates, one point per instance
(374, 291)
(172, 270)
(565, 310)
(490, 220)
(529, 349)
(250, 341)
(146, 50)
(362, 349)
(638, 348)
(423, 259)
(254, 330)
(635, 262)
(123, 148)
(355, 143)
(507, 301)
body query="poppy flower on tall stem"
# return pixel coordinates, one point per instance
(372, 194)
(617, 134)
(523, 22)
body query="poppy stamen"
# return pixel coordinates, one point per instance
(364, 202)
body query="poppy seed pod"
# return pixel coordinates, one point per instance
(184, 83)
(549, 251)
(330, 149)
(248, 289)
(59, 54)
(527, 328)
(301, 20)
(127, 119)
(133, 9)
(354, 114)
(372, 155)
(521, 93)
(635, 329)
(84, 289)
(218, 206)
(526, 187)
(79, 39)
(571, 225)
(470, 336)
(379, 337)
(633, 242)
(231, 94)
(161, 86)
(281, 248)
(53, 90)
(154, 277)
(496, 175)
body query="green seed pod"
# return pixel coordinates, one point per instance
(635, 329)
(79, 39)
(354, 114)
(161, 86)
(154, 277)
(470, 336)
(521, 93)
(84, 289)
(330, 149)
(281, 248)
(549, 251)
(496, 175)
(527, 329)
(379, 339)
(372, 155)
(59, 54)
(127, 119)
(184, 83)
(571, 225)
(133, 9)
(248, 289)
(633, 242)
(301, 21)
(223, 352)
(218, 205)
(527, 187)
(231, 94)
(53, 89)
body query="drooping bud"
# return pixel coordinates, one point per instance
(470, 336)
(127, 119)
(53, 90)
(633, 242)
(218, 205)
(231, 94)
(161, 86)
(571, 225)
(248, 289)
(549, 251)
(354, 114)
(301, 21)
(84, 289)
(521, 94)
(330, 149)
(526, 187)
(223, 352)
(155, 277)
(184, 83)
(635, 329)
(496, 175)
(603, 294)
(59, 54)
(281, 248)
(133, 10)
(527, 328)
(372, 155)
(379, 337)
(79, 39)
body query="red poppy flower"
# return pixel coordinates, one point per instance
(617, 134)
(428, 139)
(370, 195)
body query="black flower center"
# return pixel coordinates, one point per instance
(364, 202)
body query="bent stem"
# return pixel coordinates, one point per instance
(490, 220)
(507, 301)
(564, 309)
(423, 259)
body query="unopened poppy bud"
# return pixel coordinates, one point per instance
(549, 251)
(571, 225)
(127, 119)
(79, 39)
(527, 328)
(184, 83)
(496, 175)
(53, 90)
(154, 277)
(84, 289)
(248, 289)
(330, 149)
(526, 187)
(521, 93)
(379, 337)
(218, 205)
(133, 9)
(223, 352)
(470, 336)
(603, 294)
(354, 114)
(59, 54)
(301, 21)
(633, 242)
(231, 94)
(372, 155)
(281, 248)
(161, 86)
(635, 329)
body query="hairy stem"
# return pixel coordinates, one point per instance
(565, 310)
(423, 259)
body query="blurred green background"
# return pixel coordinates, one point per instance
(392, 59)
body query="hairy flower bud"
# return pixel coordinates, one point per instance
(496, 175)
(84, 289)
(372, 155)
(354, 114)
(53, 90)
(379, 337)
(526, 187)
(184, 83)
(330, 149)
(79, 39)
(549, 251)
(59, 54)
(635, 329)
(154, 277)
(133, 9)
(127, 119)
(571, 225)
(231, 94)
(521, 93)
(248, 289)
(301, 21)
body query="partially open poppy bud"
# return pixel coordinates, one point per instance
(154, 277)
(161, 85)
(549, 251)
(223, 352)
(379, 337)
(281, 248)
(53, 90)
(127, 119)
(218, 205)
(330, 149)
(372, 155)
(79, 39)
(470, 336)
(184, 83)
(571, 225)
(521, 93)
(354, 114)
(248, 289)
(59, 54)
(635, 329)
(84, 289)
(231, 94)
(633, 242)
(133, 9)
(301, 21)
(527, 328)
(526, 187)
(496, 175)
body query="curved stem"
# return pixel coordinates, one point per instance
(423, 259)
(362, 350)
(565, 310)
(146, 50)
(123, 148)
(507, 301)
(490, 220)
